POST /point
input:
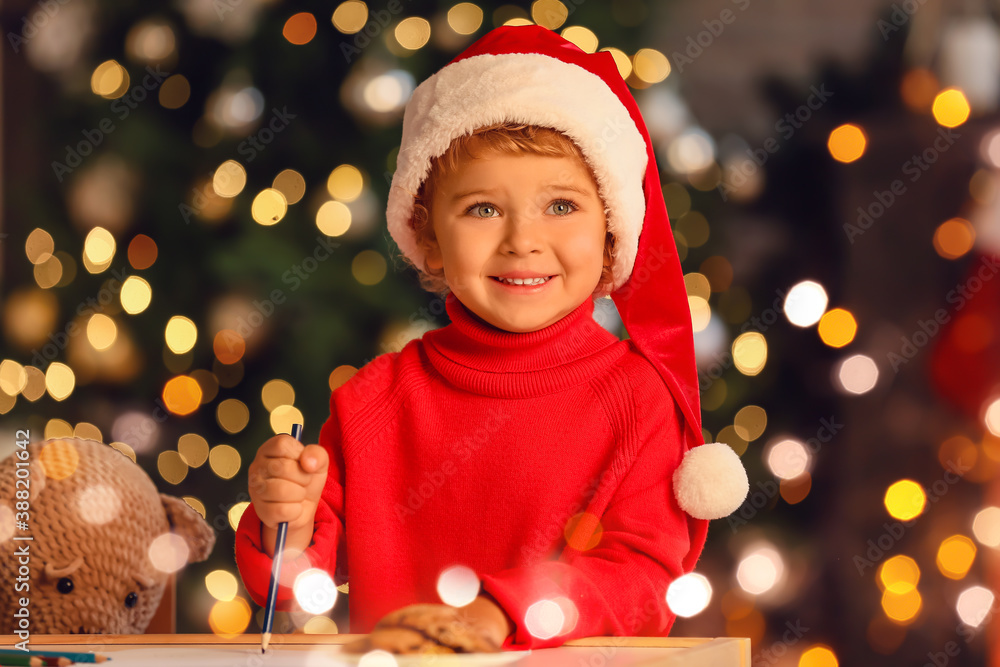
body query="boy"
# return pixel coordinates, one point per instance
(522, 443)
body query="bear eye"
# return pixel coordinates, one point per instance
(65, 585)
(131, 599)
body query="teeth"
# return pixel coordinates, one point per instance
(526, 281)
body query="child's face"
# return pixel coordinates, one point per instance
(523, 217)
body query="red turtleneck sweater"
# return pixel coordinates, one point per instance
(476, 446)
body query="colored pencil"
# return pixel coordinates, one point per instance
(70, 656)
(279, 547)
(21, 661)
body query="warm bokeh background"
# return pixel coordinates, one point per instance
(194, 253)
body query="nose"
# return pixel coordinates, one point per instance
(522, 234)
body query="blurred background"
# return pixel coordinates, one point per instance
(193, 254)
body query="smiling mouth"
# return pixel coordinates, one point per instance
(529, 282)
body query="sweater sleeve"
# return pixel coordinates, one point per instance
(617, 587)
(328, 535)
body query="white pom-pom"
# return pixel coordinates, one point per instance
(710, 482)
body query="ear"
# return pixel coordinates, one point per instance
(187, 523)
(432, 254)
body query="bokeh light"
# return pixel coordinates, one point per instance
(345, 183)
(171, 466)
(818, 656)
(805, 304)
(299, 28)
(314, 591)
(788, 458)
(412, 33)
(283, 416)
(760, 570)
(59, 380)
(857, 374)
(750, 353)
(750, 422)
(269, 207)
(847, 143)
(905, 500)
(193, 448)
(98, 504)
(902, 608)
(457, 585)
(221, 585)
(899, 574)
(168, 553)
(991, 417)
(224, 460)
(544, 619)
(291, 184)
(229, 179)
(955, 556)
(350, 17)
(951, 108)
(229, 618)
(182, 395)
(837, 327)
(954, 238)
(986, 526)
(689, 594)
(180, 334)
(582, 37)
(232, 415)
(465, 18)
(974, 605)
(650, 65)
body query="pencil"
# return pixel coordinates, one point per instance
(279, 547)
(53, 657)
(69, 656)
(21, 660)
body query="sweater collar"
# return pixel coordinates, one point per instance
(479, 357)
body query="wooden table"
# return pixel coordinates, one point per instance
(323, 650)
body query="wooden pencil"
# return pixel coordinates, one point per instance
(57, 657)
(21, 661)
(279, 548)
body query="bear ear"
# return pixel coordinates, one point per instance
(710, 482)
(187, 523)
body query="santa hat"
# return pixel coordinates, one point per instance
(529, 74)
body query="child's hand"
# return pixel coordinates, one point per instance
(479, 627)
(286, 480)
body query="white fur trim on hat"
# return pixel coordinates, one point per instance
(528, 88)
(710, 482)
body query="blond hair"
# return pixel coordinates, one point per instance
(506, 138)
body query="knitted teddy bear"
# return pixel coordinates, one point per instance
(103, 540)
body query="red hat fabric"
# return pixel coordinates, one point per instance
(530, 74)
